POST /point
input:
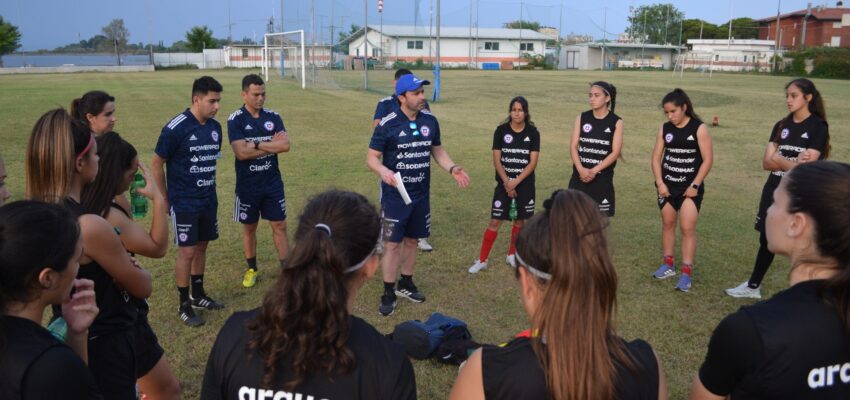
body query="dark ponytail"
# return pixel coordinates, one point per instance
(304, 317)
(815, 107)
(116, 157)
(679, 98)
(610, 90)
(91, 103)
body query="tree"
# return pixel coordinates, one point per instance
(117, 33)
(10, 38)
(522, 24)
(743, 28)
(342, 35)
(656, 23)
(691, 30)
(200, 38)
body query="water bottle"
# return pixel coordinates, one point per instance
(512, 212)
(59, 329)
(138, 202)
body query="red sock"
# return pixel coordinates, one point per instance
(686, 269)
(514, 232)
(487, 244)
(668, 260)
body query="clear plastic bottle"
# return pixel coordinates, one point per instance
(59, 329)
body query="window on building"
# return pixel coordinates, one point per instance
(374, 52)
(526, 46)
(414, 44)
(244, 53)
(745, 58)
(717, 57)
(491, 46)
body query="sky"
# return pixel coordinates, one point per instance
(46, 24)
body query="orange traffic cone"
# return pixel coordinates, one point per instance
(715, 123)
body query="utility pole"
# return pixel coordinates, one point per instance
(604, 38)
(560, 29)
(469, 46)
(776, 47)
(805, 20)
(519, 48)
(731, 13)
(281, 16)
(436, 97)
(365, 45)
(430, 28)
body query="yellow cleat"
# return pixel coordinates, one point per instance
(250, 278)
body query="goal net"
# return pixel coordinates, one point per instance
(284, 56)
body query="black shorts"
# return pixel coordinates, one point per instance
(600, 189)
(250, 206)
(148, 351)
(524, 201)
(764, 203)
(193, 227)
(112, 362)
(677, 197)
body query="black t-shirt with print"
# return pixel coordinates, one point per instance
(682, 159)
(516, 148)
(795, 137)
(596, 141)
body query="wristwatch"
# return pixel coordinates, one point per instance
(695, 185)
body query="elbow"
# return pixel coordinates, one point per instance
(159, 252)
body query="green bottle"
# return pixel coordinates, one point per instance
(59, 329)
(138, 202)
(512, 212)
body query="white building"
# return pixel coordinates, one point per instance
(459, 46)
(592, 55)
(730, 55)
(251, 55)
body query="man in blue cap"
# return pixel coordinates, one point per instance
(403, 142)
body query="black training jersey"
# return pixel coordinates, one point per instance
(793, 345)
(596, 140)
(382, 369)
(261, 173)
(514, 372)
(516, 148)
(190, 150)
(35, 365)
(406, 147)
(795, 137)
(682, 159)
(390, 104)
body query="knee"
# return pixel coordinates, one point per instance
(494, 225)
(668, 225)
(279, 227)
(201, 247)
(689, 231)
(172, 389)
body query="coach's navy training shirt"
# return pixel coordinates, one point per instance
(389, 105)
(262, 172)
(406, 147)
(190, 150)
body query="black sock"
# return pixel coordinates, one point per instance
(252, 262)
(184, 294)
(405, 279)
(389, 287)
(198, 286)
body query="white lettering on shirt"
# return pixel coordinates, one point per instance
(248, 393)
(595, 141)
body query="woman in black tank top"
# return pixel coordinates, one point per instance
(568, 287)
(682, 157)
(595, 147)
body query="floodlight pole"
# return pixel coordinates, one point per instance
(436, 97)
(365, 45)
(776, 39)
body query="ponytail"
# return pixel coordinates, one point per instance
(609, 90)
(679, 98)
(815, 106)
(90, 103)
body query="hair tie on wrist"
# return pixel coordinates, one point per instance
(323, 227)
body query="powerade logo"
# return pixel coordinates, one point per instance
(586, 128)
(668, 137)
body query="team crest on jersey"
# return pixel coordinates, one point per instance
(425, 131)
(785, 133)
(269, 126)
(214, 135)
(508, 139)
(497, 203)
(586, 128)
(243, 216)
(183, 237)
(668, 137)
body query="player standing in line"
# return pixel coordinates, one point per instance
(406, 140)
(257, 135)
(595, 147)
(95, 109)
(682, 157)
(516, 146)
(386, 106)
(189, 145)
(802, 136)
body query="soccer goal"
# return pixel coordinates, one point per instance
(284, 55)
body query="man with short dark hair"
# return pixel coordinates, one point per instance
(188, 147)
(257, 135)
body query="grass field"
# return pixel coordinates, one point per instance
(330, 130)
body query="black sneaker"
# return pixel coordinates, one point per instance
(206, 302)
(188, 316)
(388, 302)
(409, 291)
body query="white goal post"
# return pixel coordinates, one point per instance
(275, 42)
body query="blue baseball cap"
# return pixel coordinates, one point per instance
(407, 83)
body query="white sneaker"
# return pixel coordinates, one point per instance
(511, 260)
(478, 266)
(424, 245)
(744, 291)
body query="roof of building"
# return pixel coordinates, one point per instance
(821, 13)
(724, 42)
(619, 45)
(462, 32)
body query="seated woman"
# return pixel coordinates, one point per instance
(303, 341)
(794, 345)
(568, 287)
(40, 250)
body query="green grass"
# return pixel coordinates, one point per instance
(330, 130)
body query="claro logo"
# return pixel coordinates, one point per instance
(830, 375)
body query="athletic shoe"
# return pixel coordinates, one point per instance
(379, 248)
(409, 291)
(424, 245)
(206, 302)
(744, 291)
(664, 271)
(388, 302)
(684, 284)
(511, 260)
(250, 278)
(188, 316)
(478, 266)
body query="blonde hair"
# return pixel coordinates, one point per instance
(50, 157)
